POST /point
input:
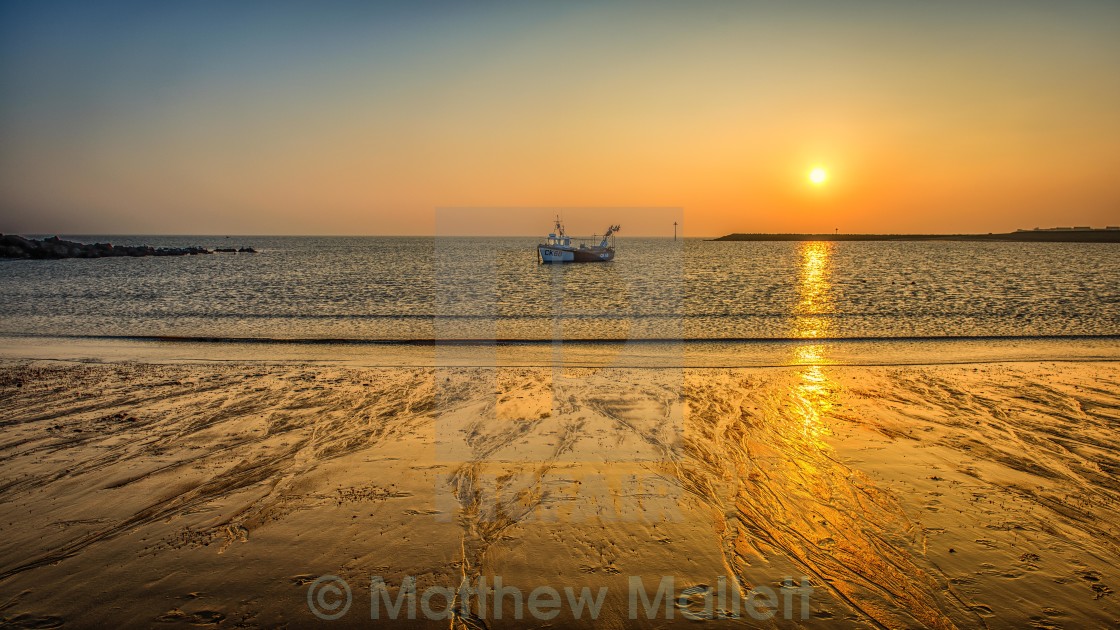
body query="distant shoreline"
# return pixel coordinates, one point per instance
(1027, 236)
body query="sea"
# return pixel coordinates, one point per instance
(370, 298)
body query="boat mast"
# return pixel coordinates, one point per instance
(606, 237)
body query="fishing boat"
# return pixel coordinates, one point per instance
(561, 248)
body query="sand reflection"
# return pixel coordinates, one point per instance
(811, 400)
(813, 509)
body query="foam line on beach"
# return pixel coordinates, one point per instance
(588, 354)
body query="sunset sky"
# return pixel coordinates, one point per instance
(363, 118)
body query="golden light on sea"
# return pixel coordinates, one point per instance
(813, 289)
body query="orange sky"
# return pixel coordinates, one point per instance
(260, 119)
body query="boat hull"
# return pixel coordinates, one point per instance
(554, 254)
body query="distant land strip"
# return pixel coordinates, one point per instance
(1110, 235)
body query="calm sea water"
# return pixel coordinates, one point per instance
(375, 288)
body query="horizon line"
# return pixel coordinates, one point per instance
(620, 235)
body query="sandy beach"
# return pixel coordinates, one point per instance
(141, 494)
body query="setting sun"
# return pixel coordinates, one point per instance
(818, 175)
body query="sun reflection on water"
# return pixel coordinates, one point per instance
(814, 289)
(813, 394)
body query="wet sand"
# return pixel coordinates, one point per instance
(939, 496)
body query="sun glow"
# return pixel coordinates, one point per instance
(818, 176)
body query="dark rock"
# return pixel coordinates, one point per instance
(12, 246)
